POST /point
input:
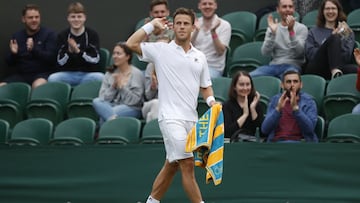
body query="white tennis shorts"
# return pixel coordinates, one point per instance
(175, 133)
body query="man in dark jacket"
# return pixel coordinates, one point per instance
(78, 50)
(32, 50)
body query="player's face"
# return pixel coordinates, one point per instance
(183, 27)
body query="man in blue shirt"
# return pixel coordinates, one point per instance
(292, 114)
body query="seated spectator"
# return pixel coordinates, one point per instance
(329, 45)
(78, 50)
(284, 42)
(32, 50)
(211, 36)
(242, 112)
(151, 105)
(292, 114)
(356, 109)
(160, 9)
(121, 92)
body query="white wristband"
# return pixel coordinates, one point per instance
(148, 28)
(209, 100)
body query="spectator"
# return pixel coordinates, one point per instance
(151, 105)
(292, 114)
(284, 42)
(242, 114)
(356, 109)
(78, 50)
(160, 9)
(32, 50)
(329, 45)
(211, 36)
(121, 92)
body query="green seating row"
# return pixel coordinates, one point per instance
(79, 131)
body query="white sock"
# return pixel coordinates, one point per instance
(152, 200)
(202, 202)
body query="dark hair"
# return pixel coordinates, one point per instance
(30, 7)
(290, 72)
(127, 51)
(158, 2)
(232, 92)
(185, 11)
(320, 22)
(278, 3)
(214, 1)
(76, 7)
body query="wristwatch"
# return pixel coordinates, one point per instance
(296, 108)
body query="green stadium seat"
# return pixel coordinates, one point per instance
(49, 101)
(74, 131)
(31, 132)
(13, 99)
(151, 133)
(122, 130)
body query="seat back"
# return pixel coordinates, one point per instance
(4, 131)
(247, 57)
(346, 84)
(243, 24)
(80, 104)
(33, 131)
(13, 98)
(354, 23)
(309, 19)
(315, 86)
(74, 131)
(341, 96)
(122, 130)
(344, 128)
(104, 59)
(267, 86)
(88, 90)
(151, 133)
(49, 101)
(220, 86)
(320, 128)
(137, 63)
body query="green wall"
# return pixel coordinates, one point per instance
(253, 173)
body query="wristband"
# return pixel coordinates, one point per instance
(209, 100)
(292, 33)
(214, 35)
(148, 28)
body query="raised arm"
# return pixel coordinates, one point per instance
(136, 38)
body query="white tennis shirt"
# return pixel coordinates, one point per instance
(180, 76)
